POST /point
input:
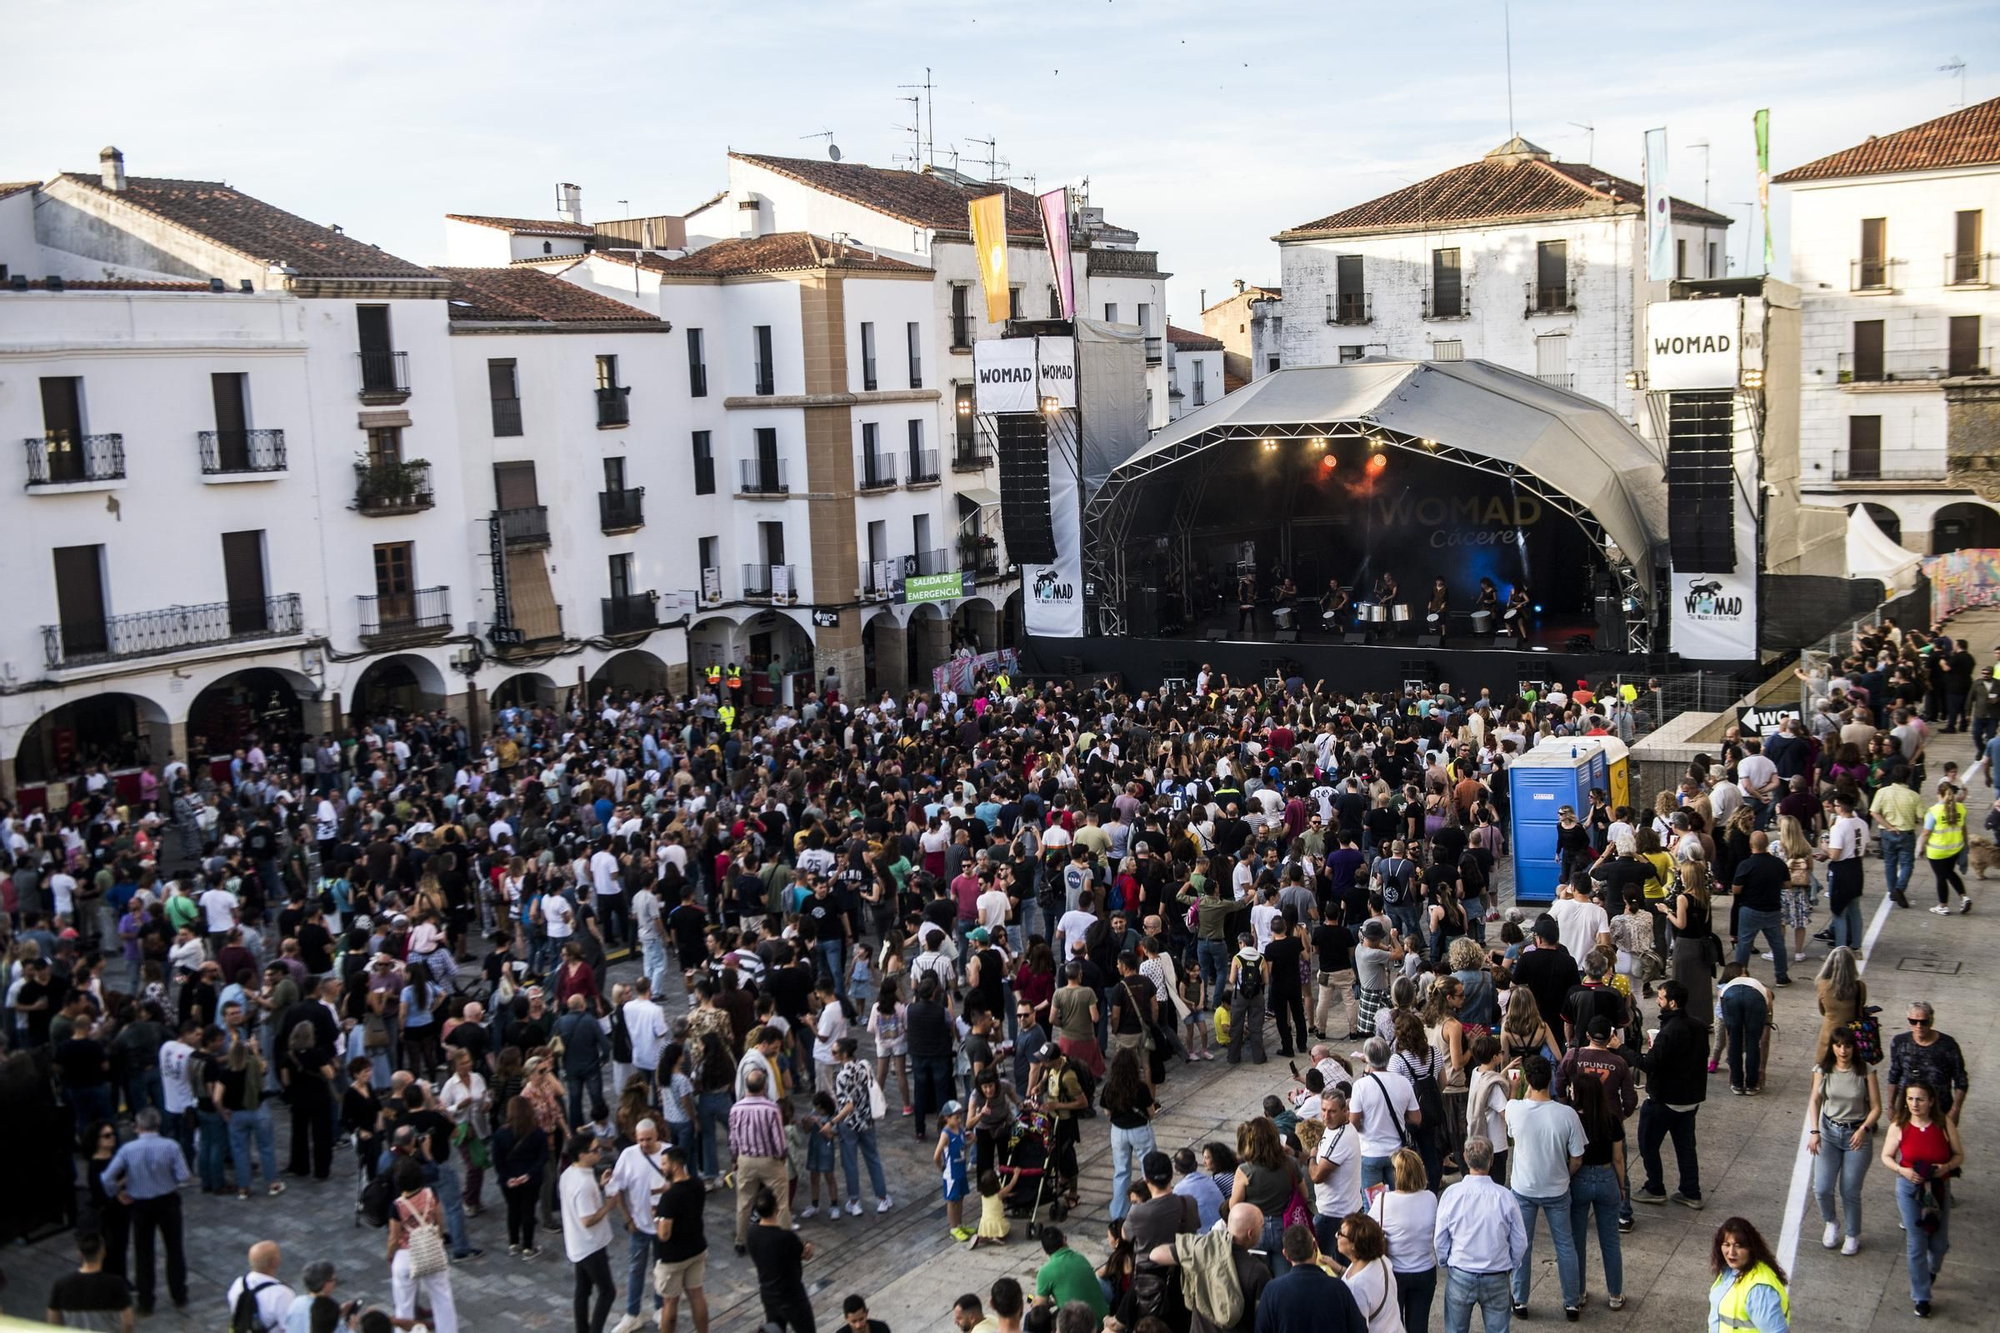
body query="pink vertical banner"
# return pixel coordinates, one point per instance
(1055, 235)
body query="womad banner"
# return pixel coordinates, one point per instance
(1055, 370)
(960, 672)
(1053, 594)
(1714, 616)
(1003, 375)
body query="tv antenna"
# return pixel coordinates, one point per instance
(1749, 206)
(1703, 145)
(927, 144)
(1507, 31)
(993, 159)
(832, 148)
(1590, 143)
(1956, 65)
(915, 129)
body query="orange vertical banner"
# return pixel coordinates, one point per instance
(989, 238)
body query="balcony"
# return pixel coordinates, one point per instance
(61, 459)
(1352, 308)
(1104, 260)
(874, 472)
(979, 555)
(621, 511)
(928, 562)
(1565, 379)
(239, 453)
(1897, 465)
(923, 465)
(1969, 270)
(970, 458)
(1155, 351)
(634, 613)
(525, 528)
(1873, 275)
(762, 476)
(880, 579)
(386, 488)
(405, 617)
(1915, 365)
(385, 376)
(1549, 298)
(770, 583)
(1449, 303)
(614, 407)
(173, 630)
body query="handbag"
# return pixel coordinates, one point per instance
(1867, 1030)
(878, 1104)
(426, 1245)
(374, 1033)
(475, 1147)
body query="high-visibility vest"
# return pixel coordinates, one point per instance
(714, 674)
(728, 715)
(735, 676)
(1734, 1312)
(1947, 839)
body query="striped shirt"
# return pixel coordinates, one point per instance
(755, 1129)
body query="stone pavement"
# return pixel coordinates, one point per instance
(909, 1270)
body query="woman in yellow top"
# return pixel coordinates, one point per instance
(1748, 1294)
(1940, 842)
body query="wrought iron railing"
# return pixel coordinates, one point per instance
(1872, 274)
(391, 615)
(632, 613)
(614, 406)
(763, 476)
(524, 527)
(619, 511)
(1550, 298)
(923, 466)
(762, 581)
(1910, 365)
(384, 373)
(59, 457)
(392, 488)
(875, 472)
(232, 452)
(172, 629)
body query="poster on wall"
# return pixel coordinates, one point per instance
(1715, 615)
(1694, 344)
(1052, 594)
(1003, 371)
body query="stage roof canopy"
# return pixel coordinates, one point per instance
(1573, 444)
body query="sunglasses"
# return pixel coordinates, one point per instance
(1920, 1022)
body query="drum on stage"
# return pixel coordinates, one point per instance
(1282, 616)
(1434, 617)
(1482, 622)
(1371, 613)
(1513, 611)
(1400, 612)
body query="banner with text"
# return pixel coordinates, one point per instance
(1003, 374)
(1055, 371)
(1694, 344)
(1715, 615)
(960, 673)
(1052, 594)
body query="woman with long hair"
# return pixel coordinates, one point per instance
(421, 1000)
(106, 1214)
(1599, 1183)
(1842, 994)
(1801, 884)
(1407, 1215)
(1749, 1288)
(1414, 1057)
(1845, 1106)
(1940, 842)
(1266, 1175)
(520, 1156)
(1129, 1104)
(888, 1030)
(1924, 1150)
(1691, 963)
(1523, 1032)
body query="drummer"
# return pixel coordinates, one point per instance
(1246, 600)
(1488, 600)
(1517, 612)
(1386, 592)
(1439, 598)
(1333, 606)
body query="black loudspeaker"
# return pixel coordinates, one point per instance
(1142, 613)
(1430, 640)
(1287, 636)
(1216, 635)
(1354, 638)
(1610, 624)
(1023, 447)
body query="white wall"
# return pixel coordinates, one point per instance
(1182, 369)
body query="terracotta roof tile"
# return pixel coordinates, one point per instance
(8, 189)
(782, 252)
(525, 296)
(1969, 137)
(921, 199)
(1494, 189)
(527, 226)
(254, 229)
(116, 285)
(1189, 340)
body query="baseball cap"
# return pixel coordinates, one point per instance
(952, 1108)
(1159, 1168)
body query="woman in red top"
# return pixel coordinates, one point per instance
(575, 977)
(1923, 1149)
(1035, 981)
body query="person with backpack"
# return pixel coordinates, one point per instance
(416, 1250)
(259, 1301)
(1249, 975)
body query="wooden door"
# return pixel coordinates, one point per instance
(80, 599)
(243, 578)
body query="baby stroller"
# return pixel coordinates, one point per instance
(1029, 1152)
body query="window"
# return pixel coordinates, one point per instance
(1680, 257)
(920, 540)
(708, 554)
(767, 477)
(230, 392)
(771, 537)
(1711, 260)
(1271, 362)
(378, 350)
(878, 550)
(1352, 352)
(1965, 357)
(620, 569)
(1448, 349)
(913, 337)
(1352, 295)
(1552, 361)
(514, 486)
(80, 599)
(697, 366)
(1014, 303)
(1447, 285)
(1968, 235)
(766, 373)
(1874, 265)
(867, 356)
(1551, 276)
(385, 446)
(1864, 450)
(961, 316)
(1110, 312)
(1055, 302)
(504, 389)
(395, 583)
(917, 448)
(967, 426)
(614, 474)
(611, 396)
(607, 372)
(1145, 318)
(243, 582)
(1200, 388)
(704, 463)
(1867, 366)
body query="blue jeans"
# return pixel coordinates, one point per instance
(712, 1117)
(1745, 1015)
(1213, 956)
(1568, 1270)
(1846, 925)
(1925, 1252)
(1378, 1171)
(1128, 1147)
(144, 1089)
(1899, 852)
(453, 1198)
(640, 1265)
(862, 1141)
(213, 1154)
(1838, 1164)
(832, 958)
(1488, 1291)
(654, 951)
(1597, 1186)
(1771, 925)
(242, 1124)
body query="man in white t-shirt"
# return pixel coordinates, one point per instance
(1335, 1168)
(608, 895)
(636, 1182)
(1758, 777)
(218, 909)
(993, 906)
(1383, 1110)
(1582, 923)
(560, 917)
(646, 1023)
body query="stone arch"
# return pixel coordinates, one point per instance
(1011, 624)
(261, 703)
(635, 669)
(976, 623)
(399, 683)
(929, 634)
(123, 730)
(1885, 518)
(523, 689)
(884, 654)
(1964, 524)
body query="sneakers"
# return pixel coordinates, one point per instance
(277, 1188)
(1572, 1313)
(629, 1323)
(531, 1253)
(854, 1207)
(1766, 957)
(1940, 910)
(1520, 1312)
(1964, 904)
(810, 1210)
(1735, 1089)
(1851, 1246)
(1923, 1309)
(1687, 1200)
(1757, 1091)
(1615, 1302)
(885, 1204)
(1798, 957)
(1831, 1236)
(1647, 1196)
(961, 1233)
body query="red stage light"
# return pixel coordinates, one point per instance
(1327, 462)
(1376, 462)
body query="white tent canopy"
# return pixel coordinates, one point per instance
(1871, 555)
(1573, 444)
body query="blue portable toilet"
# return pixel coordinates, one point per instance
(1559, 772)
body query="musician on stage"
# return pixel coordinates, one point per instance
(1288, 591)
(1385, 588)
(1488, 599)
(1246, 601)
(1439, 598)
(1517, 612)
(1333, 606)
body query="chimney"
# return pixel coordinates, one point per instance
(750, 218)
(569, 199)
(111, 169)
(1239, 286)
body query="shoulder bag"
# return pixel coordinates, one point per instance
(426, 1241)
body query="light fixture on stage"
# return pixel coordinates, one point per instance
(1429, 444)
(1376, 462)
(965, 407)
(1319, 442)
(1270, 445)
(1631, 379)
(1377, 443)
(1050, 406)
(1753, 379)
(1327, 462)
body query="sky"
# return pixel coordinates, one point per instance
(1206, 128)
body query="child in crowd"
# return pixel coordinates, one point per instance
(949, 1158)
(993, 1224)
(813, 1131)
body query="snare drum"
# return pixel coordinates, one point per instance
(1400, 612)
(1433, 618)
(1513, 611)
(1482, 622)
(1371, 613)
(1281, 616)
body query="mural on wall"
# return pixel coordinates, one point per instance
(1962, 579)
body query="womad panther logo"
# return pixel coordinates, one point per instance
(1050, 589)
(1706, 602)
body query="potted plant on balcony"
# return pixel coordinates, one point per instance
(387, 482)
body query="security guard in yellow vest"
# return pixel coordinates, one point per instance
(727, 714)
(1002, 681)
(735, 676)
(713, 675)
(1748, 1300)
(1940, 842)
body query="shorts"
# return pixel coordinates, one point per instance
(671, 1280)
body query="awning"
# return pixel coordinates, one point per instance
(979, 497)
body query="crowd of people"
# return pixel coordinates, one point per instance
(1024, 909)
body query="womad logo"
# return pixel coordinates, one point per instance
(1706, 602)
(1050, 589)
(1006, 374)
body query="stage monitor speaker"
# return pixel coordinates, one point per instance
(1023, 447)
(1611, 625)
(1354, 638)
(1216, 635)
(1430, 641)
(1142, 613)
(1287, 636)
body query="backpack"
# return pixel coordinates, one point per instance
(1249, 980)
(243, 1316)
(378, 1197)
(1430, 1097)
(1867, 1031)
